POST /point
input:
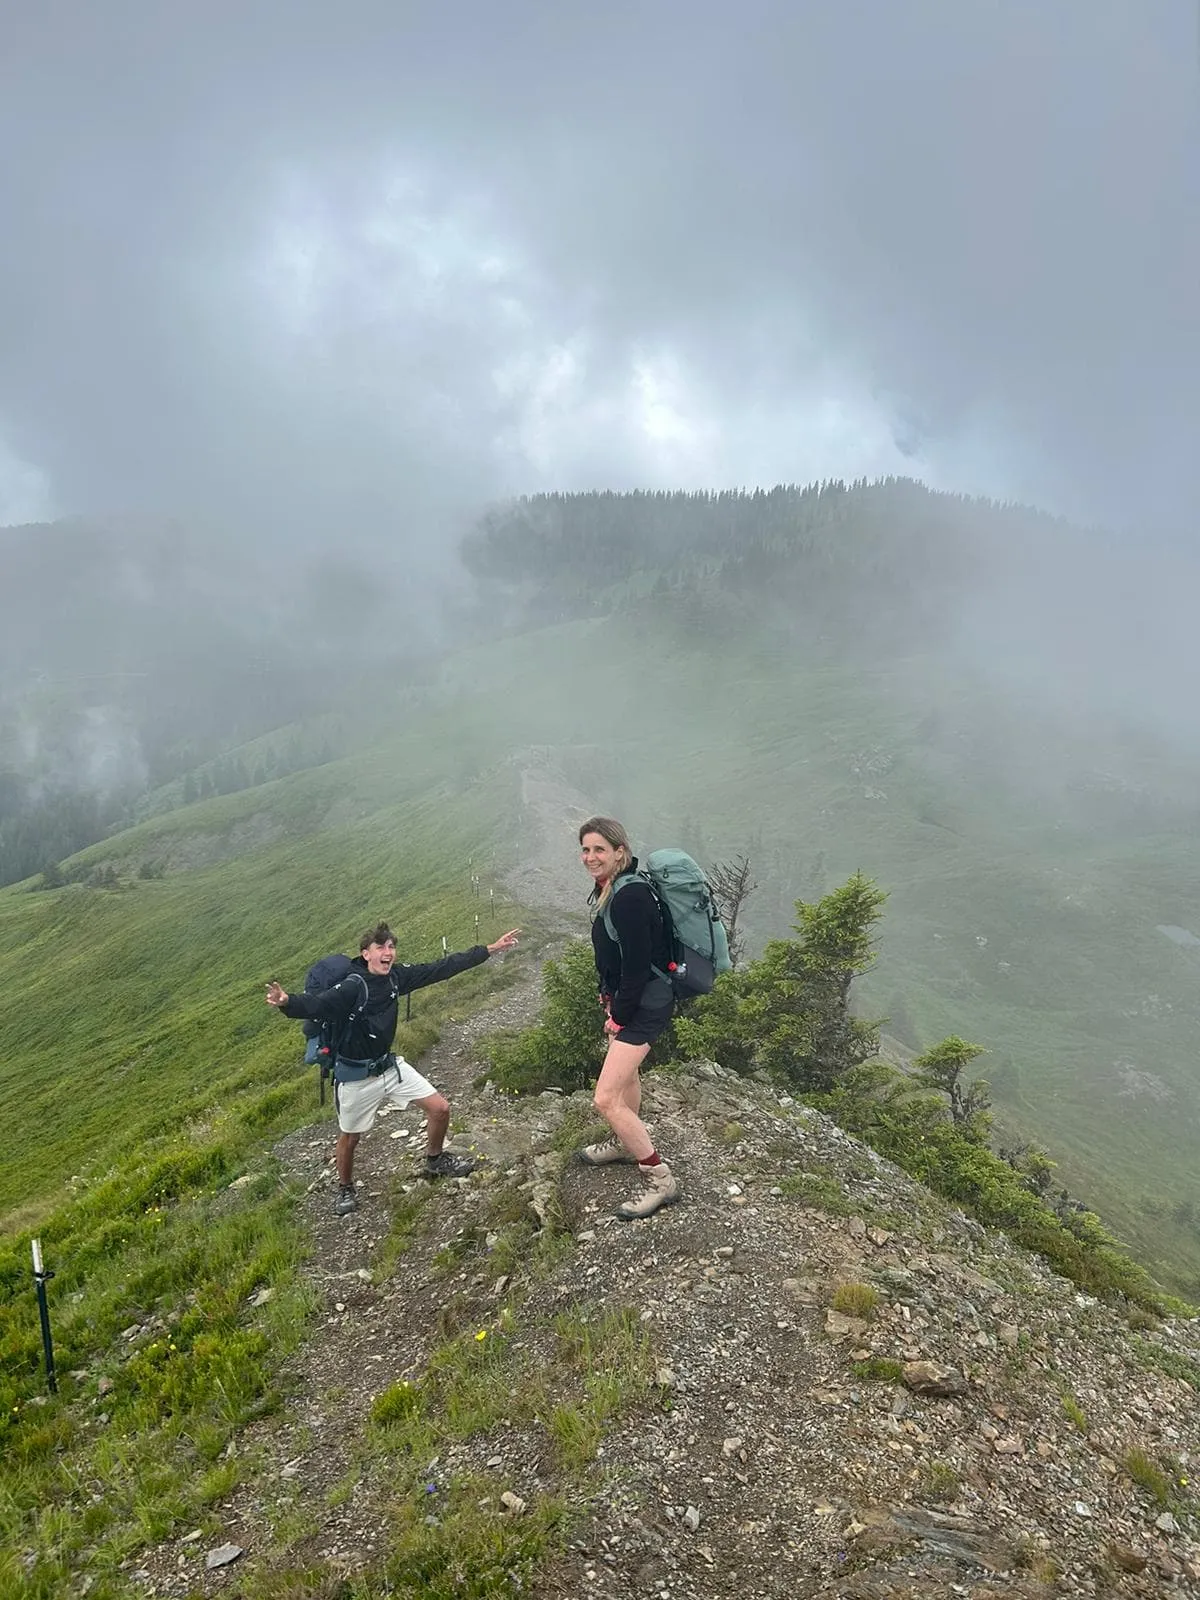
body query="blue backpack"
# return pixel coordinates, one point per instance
(695, 934)
(324, 1038)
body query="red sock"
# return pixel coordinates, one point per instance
(652, 1160)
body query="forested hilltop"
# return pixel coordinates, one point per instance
(825, 549)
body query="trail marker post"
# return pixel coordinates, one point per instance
(41, 1278)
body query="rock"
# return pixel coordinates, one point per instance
(665, 1378)
(723, 1252)
(731, 1447)
(261, 1297)
(1125, 1557)
(961, 1538)
(512, 1503)
(856, 1228)
(1011, 1446)
(930, 1378)
(104, 1386)
(878, 1236)
(691, 1518)
(838, 1326)
(1008, 1334)
(223, 1555)
(240, 1183)
(1082, 1509)
(1166, 1523)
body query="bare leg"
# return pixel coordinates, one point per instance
(347, 1143)
(437, 1121)
(618, 1097)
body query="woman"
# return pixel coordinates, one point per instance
(638, 1005)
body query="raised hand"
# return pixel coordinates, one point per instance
(275, 995)
(506, 941)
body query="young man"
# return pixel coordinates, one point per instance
(367, 1076)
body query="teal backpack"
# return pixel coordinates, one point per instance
(695, 934)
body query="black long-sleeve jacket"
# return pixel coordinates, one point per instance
(624, 968)
(373, 1030)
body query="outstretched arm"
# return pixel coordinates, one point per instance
(422, 973)
(330, 1006)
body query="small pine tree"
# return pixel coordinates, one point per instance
(942, 1068)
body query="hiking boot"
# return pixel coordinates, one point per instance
(601, 1155)
(445, 1165)
(659, 1189)
(347, 1200)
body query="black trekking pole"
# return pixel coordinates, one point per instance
(41, 1278)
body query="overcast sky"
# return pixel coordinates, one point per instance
(317, 268)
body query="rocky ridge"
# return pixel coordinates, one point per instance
(856, 1390)
(852, 1390)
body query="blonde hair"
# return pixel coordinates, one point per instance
(614, 834)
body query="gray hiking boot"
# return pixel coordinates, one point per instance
(601, 1155)
(446, 1165)
(659, 1189)
(347, 1200)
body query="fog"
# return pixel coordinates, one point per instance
(293, 292)
(328, 275)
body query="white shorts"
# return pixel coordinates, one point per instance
(358, 1104)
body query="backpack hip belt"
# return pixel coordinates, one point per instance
(348, 1071)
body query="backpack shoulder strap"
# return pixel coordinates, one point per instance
(619, 882)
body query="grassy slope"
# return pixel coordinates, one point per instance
(736, 750)
(141, 1009)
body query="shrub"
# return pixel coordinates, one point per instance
(855, 1299)
(564, 1047)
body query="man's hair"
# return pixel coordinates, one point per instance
(379, 934)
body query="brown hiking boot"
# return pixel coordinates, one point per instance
(658, 1190)
(600, 1155)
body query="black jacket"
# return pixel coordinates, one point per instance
(375, 1027)
(624, 968)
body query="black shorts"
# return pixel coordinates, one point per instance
(654, 1012)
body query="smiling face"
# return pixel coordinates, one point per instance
(600, 858)
(379, 957)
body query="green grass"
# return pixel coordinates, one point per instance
(568, 1378)
(877, 1369)
(1074, 1412)
(817, 1189)
(855, 1300)
(151, 1076)
(1149, 1475)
